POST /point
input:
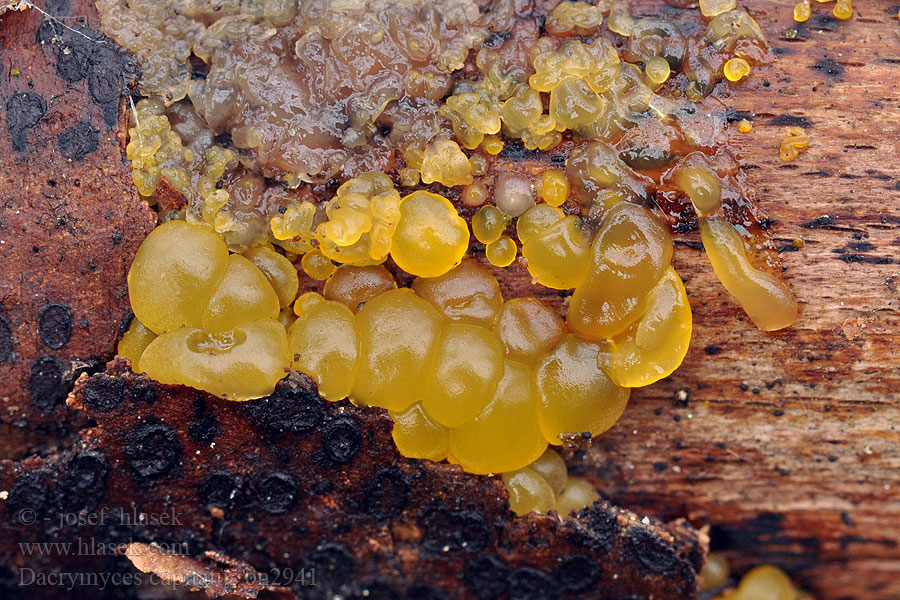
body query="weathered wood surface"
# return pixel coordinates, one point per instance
(788, 444)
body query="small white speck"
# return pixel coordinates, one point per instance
(645, 520)
(4, 495)
(676, 469)
(634, 432)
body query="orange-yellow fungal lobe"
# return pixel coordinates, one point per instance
(488, 224)
(239, 364)
(529, 329)
(431, 238)
(629, 255)
(712, 8)
(744, 126)
(575, 18)
(467, 365)
(802, 11)
(715, 572)
(317, 266)
(702, 187)
(528, 492)
(134, 342)
(795, 142)
(216, 314)
(506, 435)
(354, 286)
(536, 219)
(501, 252)
(417, 436)
(362, 218)
(398, 332)
(554, 187)
(575, 394)
(654, 346)
(843, 9)
(657, 70)
(445, 163)
(766, 582)
(559, 256)
(765, 298)
(324, 344)
(279, 271)
(467, 294)
(173, 275)
(242, 295)
(552, 468)
(736, 69)
(577, 494)
(306, 301)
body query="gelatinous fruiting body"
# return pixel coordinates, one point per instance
(766, 299)
(628, 257)
(431, 238)
(545, 485)
(215, 314)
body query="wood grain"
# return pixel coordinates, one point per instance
(788, 443)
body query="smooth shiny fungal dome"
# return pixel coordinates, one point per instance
(431, 238)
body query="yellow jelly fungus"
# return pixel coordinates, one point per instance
(506, 435)
(492, 144)
(279, 271)
(501, 252)
(173, 275)
(554, 187)
(216, 314)
(529, 329)
(467, 294)
(715, 572)
(712, 8)
(766, 582)
(431, 238)
(474, 194)
(657, 70)
(702, 187)
(240, 364)
(744, 126)
(317, 266)
(736, 69)
(766, 299)
(445, 163)
(354, 286)
(545, 485)
(397, 333)
(134, 342)
(552, 468)
(362, 218)
(243, 294)
(293, 230)
(488, 224)
(843, 9)
(577, 494)
(629, 255)
(306, 301)
(654, 346)
(802, 11)
(467, 366)
(417, 436)
(323, 340)
(536, 219)
(528, 492)
(581, 18)
(795, 142)
(559, 256)
(575, 394)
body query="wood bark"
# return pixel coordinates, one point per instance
(787, 444)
